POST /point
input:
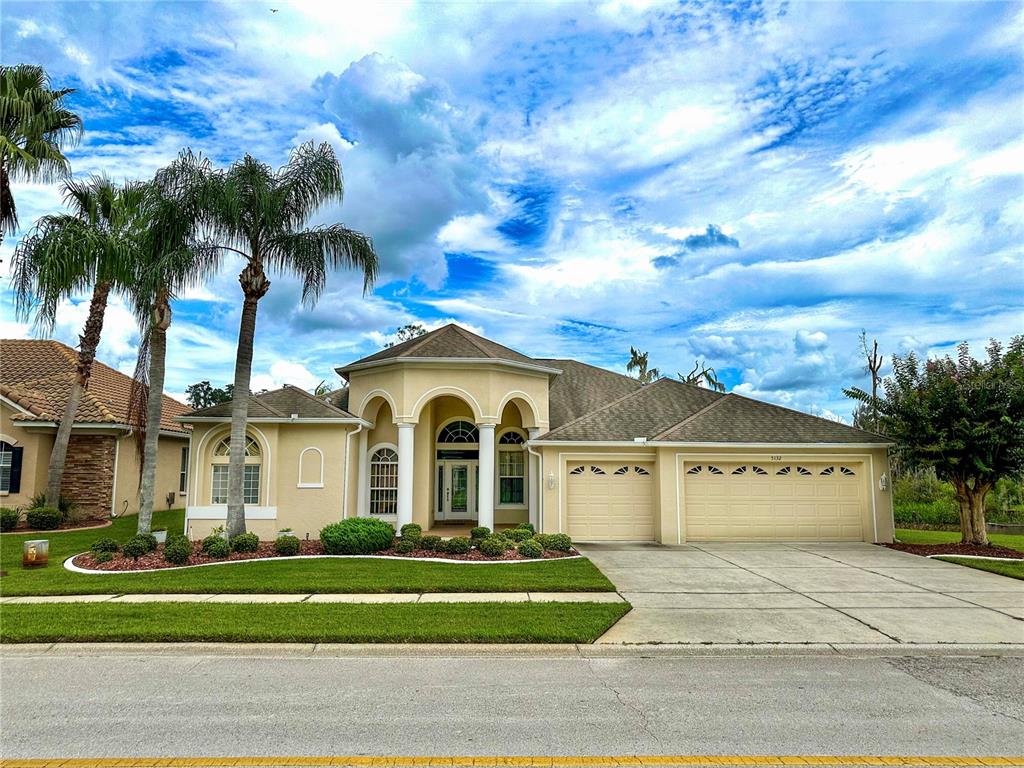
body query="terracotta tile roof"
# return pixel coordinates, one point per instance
(448, 341)
(280, 404)
(37, 374)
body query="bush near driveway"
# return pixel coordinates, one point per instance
(357, 536)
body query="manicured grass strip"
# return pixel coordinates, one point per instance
(1002, 567)
(914, 536)
(284, 576)
(297, 623)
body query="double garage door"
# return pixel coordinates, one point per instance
(740, 501)
(774, 501)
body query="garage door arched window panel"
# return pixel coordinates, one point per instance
(384, 482)
(784, 471)
(740, 470)
(696, 470)
(641, 471)
(596, 470)
(714, 470)
(461, 432)
(759, 470)
(577, 470)
(621, 470)
(804, 472)
(250, 472)
(847, 471)
(828, 471)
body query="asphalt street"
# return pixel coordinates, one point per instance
(191, 702)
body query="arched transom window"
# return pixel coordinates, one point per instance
(384, 482)
(459, 432)
(250, 473)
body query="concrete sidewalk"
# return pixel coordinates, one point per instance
(384, 597)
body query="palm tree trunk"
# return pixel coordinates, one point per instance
(154, 409)
(87, 343)
(255, 285)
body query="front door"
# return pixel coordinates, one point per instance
(458, 496)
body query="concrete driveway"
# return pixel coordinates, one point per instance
(804, 593)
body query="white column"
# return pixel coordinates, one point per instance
(363, 480)
(485, 492)
(533, 481)
(405, 478)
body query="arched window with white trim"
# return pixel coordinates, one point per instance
(512, 468)
(250, 476)
(384, 482)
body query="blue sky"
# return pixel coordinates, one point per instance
(751, 184)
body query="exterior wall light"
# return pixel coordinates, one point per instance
(883, 482)
(551, 481)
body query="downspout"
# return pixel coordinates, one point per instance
(540, 486)
(348, 452)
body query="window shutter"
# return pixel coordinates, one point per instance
(15, 485)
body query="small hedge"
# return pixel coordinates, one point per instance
(517, 534)
(9, 518)
(542, 539)
(494, 546)
(216, 546)
(44, 518)
(480, 532)
(137, 546)
(559, 542)
(102, 557)
(104, 545)
(245, 542)
(430, 543)
(177, 550)
(531, 548)
(405, 546)
(527, 526)
(357, 536)
(412, 532)
(150, 540)
(286, 545)
(457, 545)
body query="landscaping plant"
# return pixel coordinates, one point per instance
(527, 526)
(517, 534)
(136, 547)
(480, 532)
(357, 536)
(560, 542)
(493, 546)
(531, 548)
(9, 518)
(286, 545)
(245, 542)
(405, 546)
(177, 550)
(430, 543)
(457, 545)
(44, 518)
(412, 532)
(104, 545)
(216, 546)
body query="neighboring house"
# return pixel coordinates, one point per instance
(452, 427)
(101, 472)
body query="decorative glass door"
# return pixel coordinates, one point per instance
(458, 496)
(460, 490)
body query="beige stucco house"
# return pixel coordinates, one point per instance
(101, 471)
(452, 429)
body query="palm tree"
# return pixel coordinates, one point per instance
(96, 246)
(261, 215)
(34, 126)
(702, 375)
(638, 362)
(171, 261)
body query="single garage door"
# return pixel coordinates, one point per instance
(770, 501)
(610, 501)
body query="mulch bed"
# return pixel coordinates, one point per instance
(956, 548)
(266, 552)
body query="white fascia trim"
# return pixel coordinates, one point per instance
(449, 361)
(15, 406)
(227, 420)
(96, 425)
(662, 444)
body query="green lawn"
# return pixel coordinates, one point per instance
(322, 623)
(1002, 567)
(914, 536)
(327, 575)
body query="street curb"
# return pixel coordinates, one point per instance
(553, 651)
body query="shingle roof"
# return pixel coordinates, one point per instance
(37, 374)
(279, 404)
(738, 419)
(581, 388)
(643, 412)
(448, 341)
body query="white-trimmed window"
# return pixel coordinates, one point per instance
(183, 471)
(250, 473)
(384, 482)
(6, 464)
(511, 468)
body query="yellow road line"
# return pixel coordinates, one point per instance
(533, 762)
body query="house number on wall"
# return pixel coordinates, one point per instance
(776, 458)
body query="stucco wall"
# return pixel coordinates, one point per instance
(34, 461)
(126, 482)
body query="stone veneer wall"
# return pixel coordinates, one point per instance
(89, 473)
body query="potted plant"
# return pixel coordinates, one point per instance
(286, 532)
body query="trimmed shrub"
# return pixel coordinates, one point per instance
(44, 518)
(65, 505)
(286, 545)
(150, 540)
(531, 548)
(494, 546)
(245, 542)
(177, 550)
(517, 534)
(542, 539)
(430, 543)
(357, 536)
(559, 542)
(104, 545)
(9, 518)
(457, 545)
(136, 547)
(405, 546)
(102, 557)
(527, 526)
(480, 532)
(411, 531)
(216, 546)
